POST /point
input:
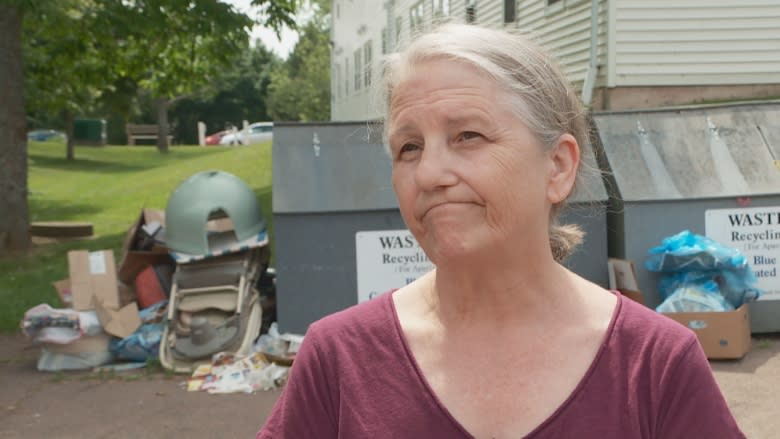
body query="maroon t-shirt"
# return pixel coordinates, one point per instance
(355, 377)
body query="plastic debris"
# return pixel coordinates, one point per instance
(700, 274)
(44, 324)
(279, 348)
(230, 374)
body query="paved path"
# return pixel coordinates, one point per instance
(73, 405)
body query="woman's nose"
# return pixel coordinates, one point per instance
(435, 169)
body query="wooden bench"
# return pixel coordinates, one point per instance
(146, 132)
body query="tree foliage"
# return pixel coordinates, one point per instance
(240, 95)
(300, 88)
(65, 47)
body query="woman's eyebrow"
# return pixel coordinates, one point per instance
(403, 129)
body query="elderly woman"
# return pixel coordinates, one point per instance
(500, 340)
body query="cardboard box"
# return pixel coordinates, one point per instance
(723, 335)
(93, 279)
(133, 259)
(622, 277)
(94, 285)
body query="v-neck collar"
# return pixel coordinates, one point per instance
(428, 390)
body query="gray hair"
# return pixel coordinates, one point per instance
(537, 91)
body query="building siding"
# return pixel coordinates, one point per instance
(640, 43)
(687, 42)
(565, 31)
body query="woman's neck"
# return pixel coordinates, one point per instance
(499, 291)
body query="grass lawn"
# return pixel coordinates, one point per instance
(108, 187)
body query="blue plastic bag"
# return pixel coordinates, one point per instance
(695, 298)
(694, 265)
(688, 251)
(144, 343)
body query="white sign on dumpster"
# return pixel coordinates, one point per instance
(387, 259)
(755, 232)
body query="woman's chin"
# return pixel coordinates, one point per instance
(451, 249)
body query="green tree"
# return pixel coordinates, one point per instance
(14, 217)
(134, 52)
(239, 94)
(66, 49)
(300, 88)
(176, 47)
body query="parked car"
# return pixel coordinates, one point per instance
(44, 135)
(216, 137)
(254, 133)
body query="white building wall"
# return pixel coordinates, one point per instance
(640, 42)
(356, 23)
(563, 28)
(690, 42)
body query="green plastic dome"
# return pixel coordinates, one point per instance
(201, 197)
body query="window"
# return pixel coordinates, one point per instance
(384, 40)
(398, 24)
(263, 129)
(441, 8)
(358, 66)
(471, 11)
(510, 11)
(367, 64)
(346, 76)
(338, 81)
(416, 17)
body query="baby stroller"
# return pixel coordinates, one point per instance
(216, 234)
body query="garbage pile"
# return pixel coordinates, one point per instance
(701, 275)
(264, 369)
(192, 289)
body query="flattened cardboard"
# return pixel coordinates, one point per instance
(64, 292)
(134, 260)
(622, 277)
(119, 322)
(93, 276)
(85, 344)
(95, 286)
(722, 335)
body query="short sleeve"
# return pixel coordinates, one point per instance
(692, 404)
(305, 408)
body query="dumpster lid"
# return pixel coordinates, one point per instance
(343, 167)
(693, 152)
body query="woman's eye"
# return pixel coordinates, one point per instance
(408, 147)
(468, 135)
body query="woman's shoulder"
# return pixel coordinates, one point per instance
(368, 319)
(643, 330)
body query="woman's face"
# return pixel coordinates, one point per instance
(470, 177)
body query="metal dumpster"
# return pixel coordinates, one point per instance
(338, 234)
(713, 170)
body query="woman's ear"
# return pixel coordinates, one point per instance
(565, 160)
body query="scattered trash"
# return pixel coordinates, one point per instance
(280, 348)
(181, 301)
(230, 374)
(44, 324)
